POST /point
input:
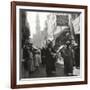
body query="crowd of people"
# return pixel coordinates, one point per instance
(47, 56)
(32, 57)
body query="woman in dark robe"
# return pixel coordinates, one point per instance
(50, 61)
(43, 56)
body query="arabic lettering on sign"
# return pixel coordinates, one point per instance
(62, 20)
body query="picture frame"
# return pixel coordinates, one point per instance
(17, 9)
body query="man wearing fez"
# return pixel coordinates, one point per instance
(68, 59)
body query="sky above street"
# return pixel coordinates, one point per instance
(31, 18)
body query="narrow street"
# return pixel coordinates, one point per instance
(41, 72)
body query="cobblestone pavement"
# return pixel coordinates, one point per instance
(41, 72)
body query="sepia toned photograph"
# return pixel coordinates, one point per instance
(49, 44)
